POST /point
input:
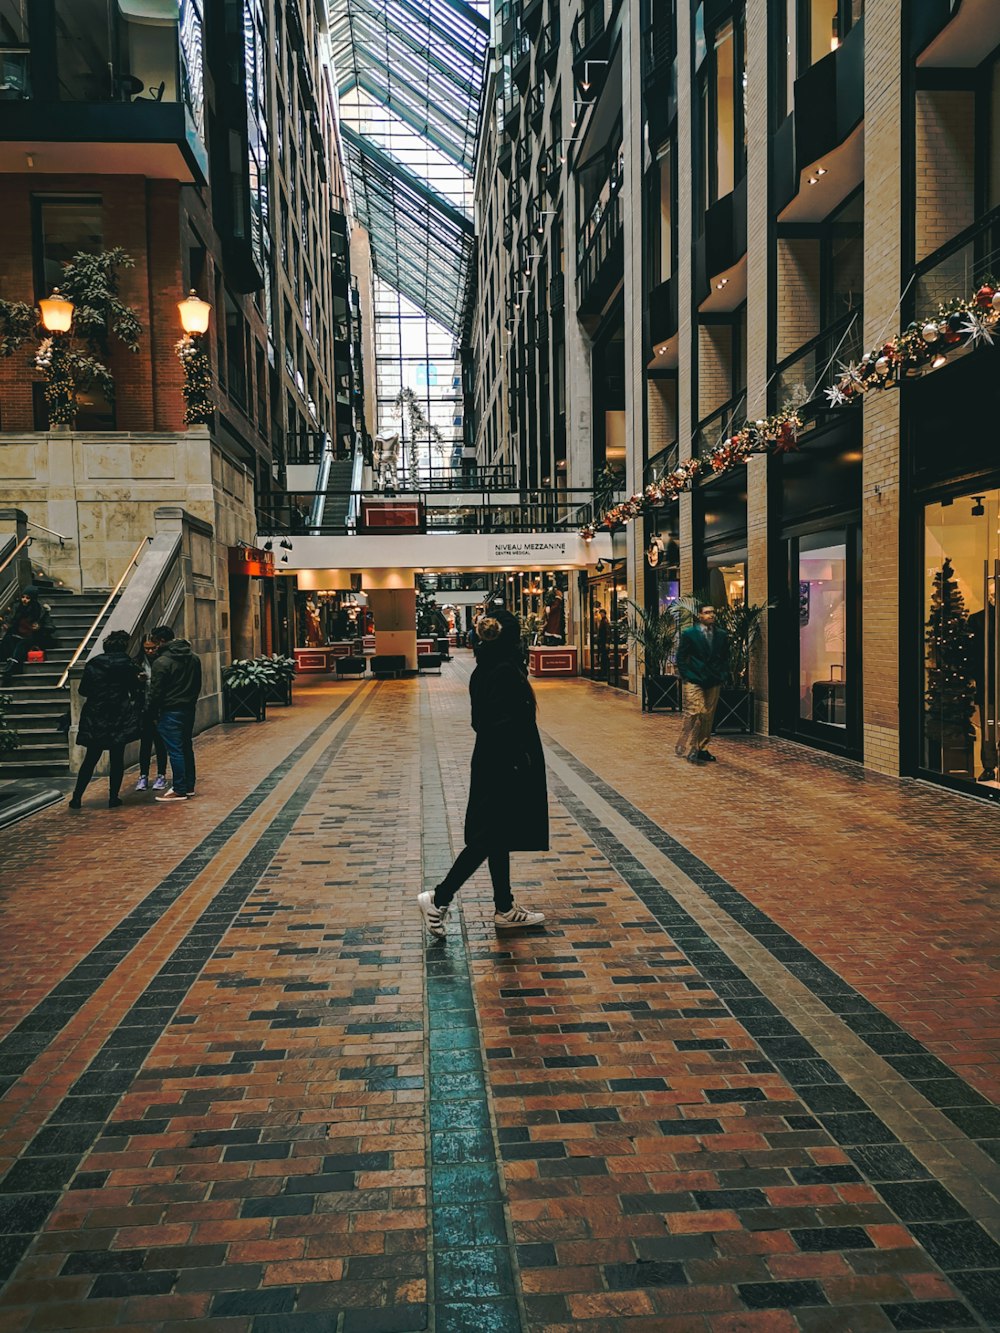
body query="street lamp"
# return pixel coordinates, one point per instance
(57, 312)
(194, 313)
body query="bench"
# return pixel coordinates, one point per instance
(429, 662)
(386, 666)
(351, 666)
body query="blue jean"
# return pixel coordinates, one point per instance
(176, 727)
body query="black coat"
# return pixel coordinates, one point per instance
(508, 799)
(112, 713)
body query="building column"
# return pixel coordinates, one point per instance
(686, 385)
(759, 260)
(633, 146)
(880, 505)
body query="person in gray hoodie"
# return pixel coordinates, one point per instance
(174, 687)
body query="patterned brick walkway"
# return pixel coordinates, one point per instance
(729, 1087)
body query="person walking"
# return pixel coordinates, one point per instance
(174, 687)
(603, 638)
(111, 715)
(150, 739)
(28, 625)
(508, 807)
(703, 665)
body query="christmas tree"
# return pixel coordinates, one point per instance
(950, 695)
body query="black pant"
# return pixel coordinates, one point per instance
(116, 754)
(150, 739)
(14, 651)
(466, 864)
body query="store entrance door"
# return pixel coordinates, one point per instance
(823, 641)
(961, 642)
(606, 646)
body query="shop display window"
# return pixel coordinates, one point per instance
(822, 623)
(961, 569)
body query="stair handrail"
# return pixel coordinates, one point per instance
(101, 614)
(5, 588)
(61, 536)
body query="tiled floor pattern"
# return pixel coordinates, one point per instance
(893, 885)
(250, 1140)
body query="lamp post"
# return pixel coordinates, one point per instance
(195, 314)
(57, 312)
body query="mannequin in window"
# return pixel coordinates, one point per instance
(982, 626)
(314, 629)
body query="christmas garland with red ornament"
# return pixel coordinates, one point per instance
(968, 322)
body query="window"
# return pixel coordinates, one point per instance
(722, 84)
(15, 79)
(236, 351)
(807, 31)
(63, 227)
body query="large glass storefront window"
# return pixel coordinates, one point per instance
(961, 570)
(606, 640)
(822, 623)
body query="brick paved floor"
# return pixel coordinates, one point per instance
(729, 1087)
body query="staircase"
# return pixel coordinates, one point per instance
(37, 704)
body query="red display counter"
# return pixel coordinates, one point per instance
(549, 662)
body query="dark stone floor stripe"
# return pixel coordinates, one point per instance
(967, 1109)
(962, 1248)
(35, 1183)
(469, 1239)
(22, 1046)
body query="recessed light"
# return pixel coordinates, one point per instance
(938, 361)
(821, 171)
(813, 180)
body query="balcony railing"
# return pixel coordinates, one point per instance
(800, 379)
(606, 232)
(548, 49)
(714, 428)
(959, 267)
(660, 464)
(552, 510)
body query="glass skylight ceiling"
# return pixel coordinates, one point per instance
(409, 75)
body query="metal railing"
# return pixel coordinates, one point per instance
(603, 238)
(9, 583)
(483, 512)
(799, 380)
(957, 268)
(60, 537)
(660, 464)
(714, 428)
(81, 647)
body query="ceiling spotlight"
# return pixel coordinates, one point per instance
(269, 546)
(285, 544)
(813, 180)
(938, 361)
(821, 171)
(978, 509)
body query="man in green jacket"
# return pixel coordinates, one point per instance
(703, 663)
(174, 687)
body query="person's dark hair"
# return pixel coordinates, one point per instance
(708, 606)
(162, 634)
(116, 642)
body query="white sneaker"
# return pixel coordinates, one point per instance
(435, 918)
(142, 784)
(160, 784)
(516, 917)
(172, 795)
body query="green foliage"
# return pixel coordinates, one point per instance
(248, 671)
(425, 614)
(741, 622)
(17, 323)
(91, 283)
(607, 484)
(9, 739)
(282, 668)
(408, 406)
(193, 356)
(950, 696)
(654, 633)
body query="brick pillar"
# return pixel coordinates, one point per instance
(16, 284)
(881, 470)
(758, 260)
(166, 288)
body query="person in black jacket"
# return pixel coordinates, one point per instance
(28, 624)
(703, 666)
(508, 807)
(111, 715)
(174, 687)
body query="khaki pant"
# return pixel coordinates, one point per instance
(700, 703)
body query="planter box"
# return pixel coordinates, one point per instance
(244, 701)
(661, 692)
(279, 693)
(734, 715)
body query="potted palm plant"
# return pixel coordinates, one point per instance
(281, 671)
(736, 702)
(653, 632)
(244, 690)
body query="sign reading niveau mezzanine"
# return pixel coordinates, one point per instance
(545, 550)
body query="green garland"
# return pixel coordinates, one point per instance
(193, 356)
(17, 323)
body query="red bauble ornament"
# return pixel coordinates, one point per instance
(984, 297)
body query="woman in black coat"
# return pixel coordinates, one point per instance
(508, 808)
(111, 716)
